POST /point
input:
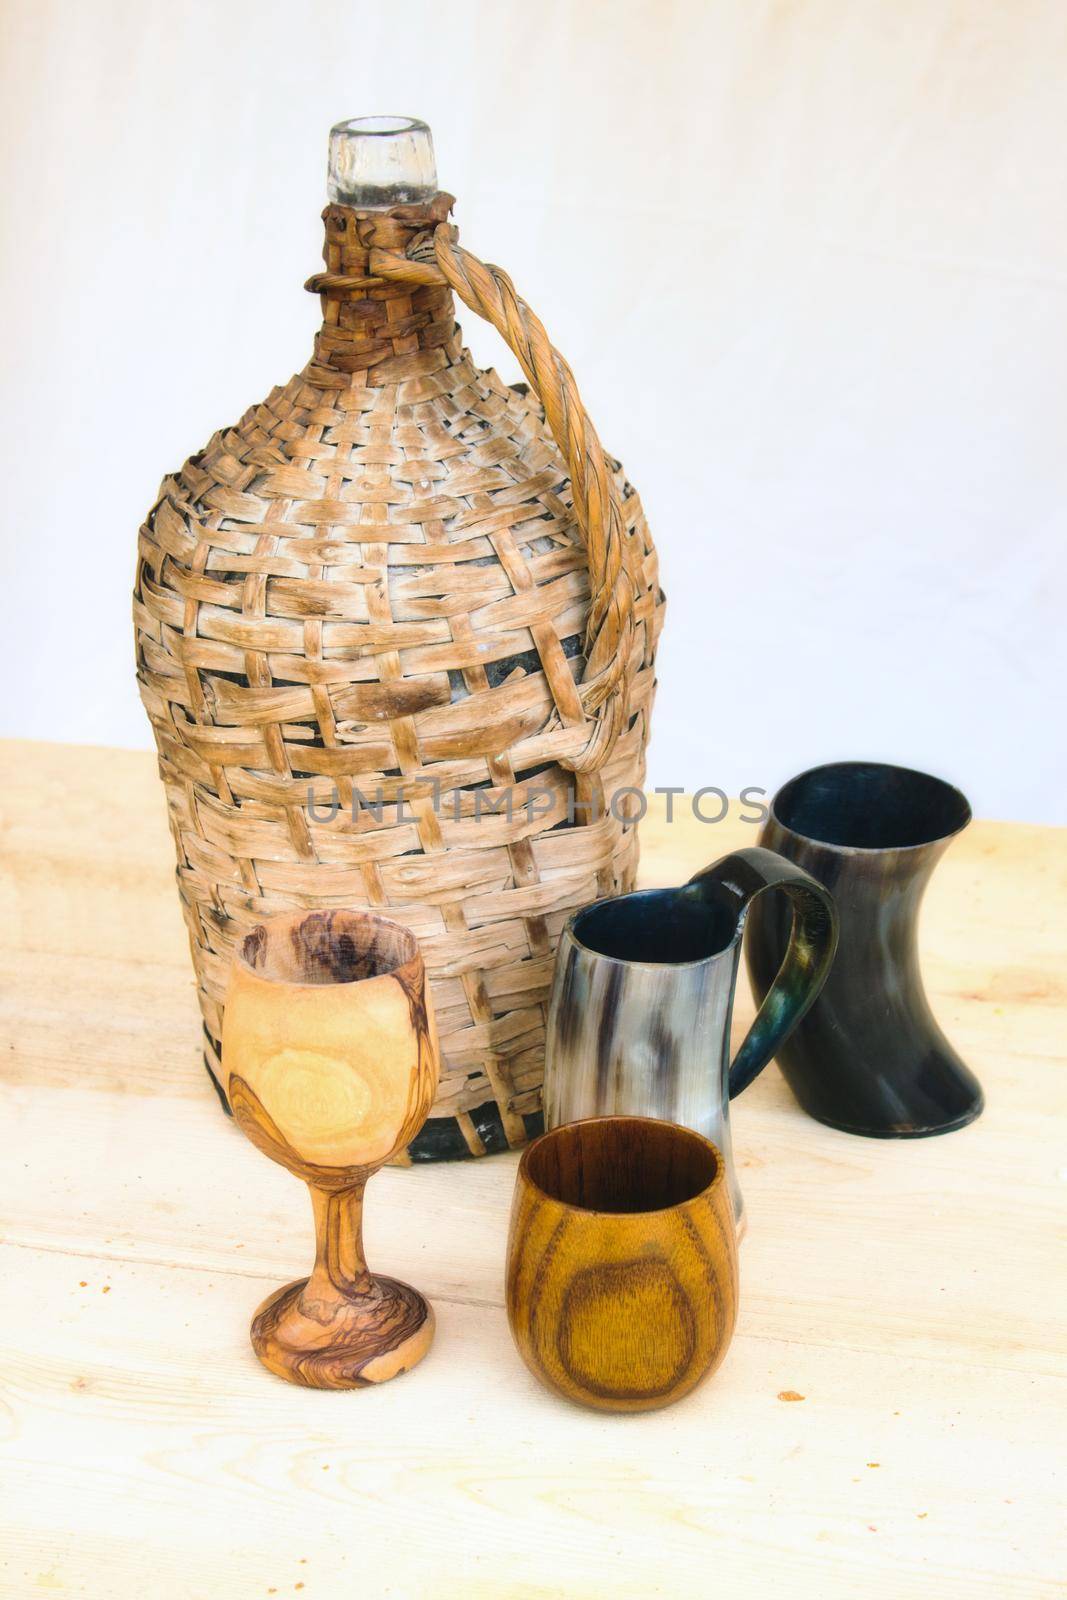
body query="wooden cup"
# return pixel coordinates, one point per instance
(622, 1262)
(330, 1059)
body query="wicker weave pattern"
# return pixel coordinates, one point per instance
(376, 582)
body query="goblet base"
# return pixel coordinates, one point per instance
(347, 1341)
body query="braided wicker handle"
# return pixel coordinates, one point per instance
(604, 689)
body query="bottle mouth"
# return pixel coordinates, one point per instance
(380, 125)
(380, 162)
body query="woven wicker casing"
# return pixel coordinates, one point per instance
(389, 577)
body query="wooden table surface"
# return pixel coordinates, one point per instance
(889, 1420)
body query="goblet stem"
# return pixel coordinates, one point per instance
(340, 1266)
(343, 1327)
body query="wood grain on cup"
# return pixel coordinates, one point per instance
(622, 1262)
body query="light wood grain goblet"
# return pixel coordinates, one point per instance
(330, 1057)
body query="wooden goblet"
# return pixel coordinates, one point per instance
(330, 1058)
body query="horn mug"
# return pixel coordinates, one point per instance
(639, 1020)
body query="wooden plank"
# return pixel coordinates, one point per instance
(911, 1292)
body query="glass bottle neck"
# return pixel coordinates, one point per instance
(380, 162)
(383, 191)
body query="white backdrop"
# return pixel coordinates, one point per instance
(808, 259)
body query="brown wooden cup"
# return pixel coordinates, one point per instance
(622, 1262)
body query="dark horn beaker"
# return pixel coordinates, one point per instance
(869, 1057)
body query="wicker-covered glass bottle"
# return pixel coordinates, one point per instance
(395, 635)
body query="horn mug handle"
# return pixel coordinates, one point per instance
(735, 882)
